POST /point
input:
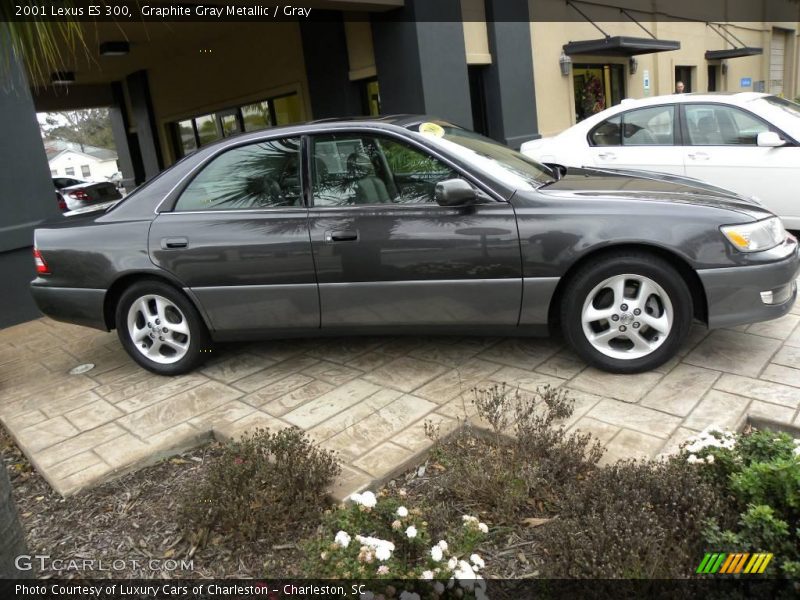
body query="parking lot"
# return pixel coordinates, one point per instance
(366, 398)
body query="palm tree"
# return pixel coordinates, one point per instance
(33, 48)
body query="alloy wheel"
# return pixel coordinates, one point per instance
(158, 329)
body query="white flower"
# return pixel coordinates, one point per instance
(438, 587)
(406, 595)
(373, 542)
(443, 545)
(483, 527)
(383, 553)
(411, 532)
(342, 539)
(797, 450)
(452, 563)
(402, 512)
(477, 561)
(368, 499)
(383, 570)
(692, 459)
(468, 519)
(466, 575)
(427, 575)
(355, 498)
(436, 553)
(710, 459)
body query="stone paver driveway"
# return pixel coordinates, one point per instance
(366, 398)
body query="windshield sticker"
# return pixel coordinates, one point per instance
(431, 129)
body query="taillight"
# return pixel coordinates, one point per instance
(62, 205)
(41, 266)
(79, 194)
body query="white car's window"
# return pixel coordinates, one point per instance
(654, 126)
(262, 175)
(356, 169)
(718, 125)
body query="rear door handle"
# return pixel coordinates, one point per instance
(341, 236)
(607, 155)
(174, 243)
(698, 155)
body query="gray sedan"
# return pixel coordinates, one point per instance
(411, 225)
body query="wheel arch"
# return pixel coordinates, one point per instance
(685, 270)
(122, 283)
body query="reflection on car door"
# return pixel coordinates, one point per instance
(722, 149)
(387, 254)
(644, 138)
(238, 238)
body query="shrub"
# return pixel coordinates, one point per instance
(378, 538)
(262, 485)
(506, 476)
(631, 519)
(760, 471)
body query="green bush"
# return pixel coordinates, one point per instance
(263, 485)
(760, 472)
(378, 538)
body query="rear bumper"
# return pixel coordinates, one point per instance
(71, 305)
(734, 294)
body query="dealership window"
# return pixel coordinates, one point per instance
(262, 175)
(69, 171)
(86, 171)
(191, 134)
(597, 87)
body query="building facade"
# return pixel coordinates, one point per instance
(489, 65)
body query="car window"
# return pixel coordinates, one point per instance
(654, 126)
(262, 175)
(717, 125)
(357, 169)
(649, 126)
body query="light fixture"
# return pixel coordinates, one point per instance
(634, 65)
(723, 66)
(114, 48)
(62, 77)
(565, 62)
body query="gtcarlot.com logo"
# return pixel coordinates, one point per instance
(730, 564)
(44, 562)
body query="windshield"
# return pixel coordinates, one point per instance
(496, 159)
(786, 105)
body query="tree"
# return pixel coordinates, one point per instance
(87, 127)
(37, 45)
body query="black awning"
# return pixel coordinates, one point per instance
(733, 53)
(620, 46)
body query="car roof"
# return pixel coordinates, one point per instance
(738, 98)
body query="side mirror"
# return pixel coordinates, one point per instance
(770, 139)
(454, 192)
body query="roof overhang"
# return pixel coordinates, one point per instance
(620, 46)
(733, 53)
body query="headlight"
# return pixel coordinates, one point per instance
(755, 237)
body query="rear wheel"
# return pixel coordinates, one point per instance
(627, 313)
(161, 329)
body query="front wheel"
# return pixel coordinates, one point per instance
(161, 329)
(627, 313)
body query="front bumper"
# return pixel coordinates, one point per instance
(71, 305)
(734, 294)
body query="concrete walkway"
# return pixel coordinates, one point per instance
(366, 398)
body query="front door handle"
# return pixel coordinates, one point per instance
(174, 243)
(607, 156)
(341, 236)
(698, 155)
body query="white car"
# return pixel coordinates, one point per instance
(745, 142)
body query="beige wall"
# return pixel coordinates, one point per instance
(246, 63)
(360, 53)
(554, 92)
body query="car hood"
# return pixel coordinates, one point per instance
(646, 185)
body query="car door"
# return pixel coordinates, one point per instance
(643, 138)
(237, 237)
(387, 254)
(722, 148)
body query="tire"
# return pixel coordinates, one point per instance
(148, 308)
(602, 299)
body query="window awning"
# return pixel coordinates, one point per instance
(733, 53)
(620, 46)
